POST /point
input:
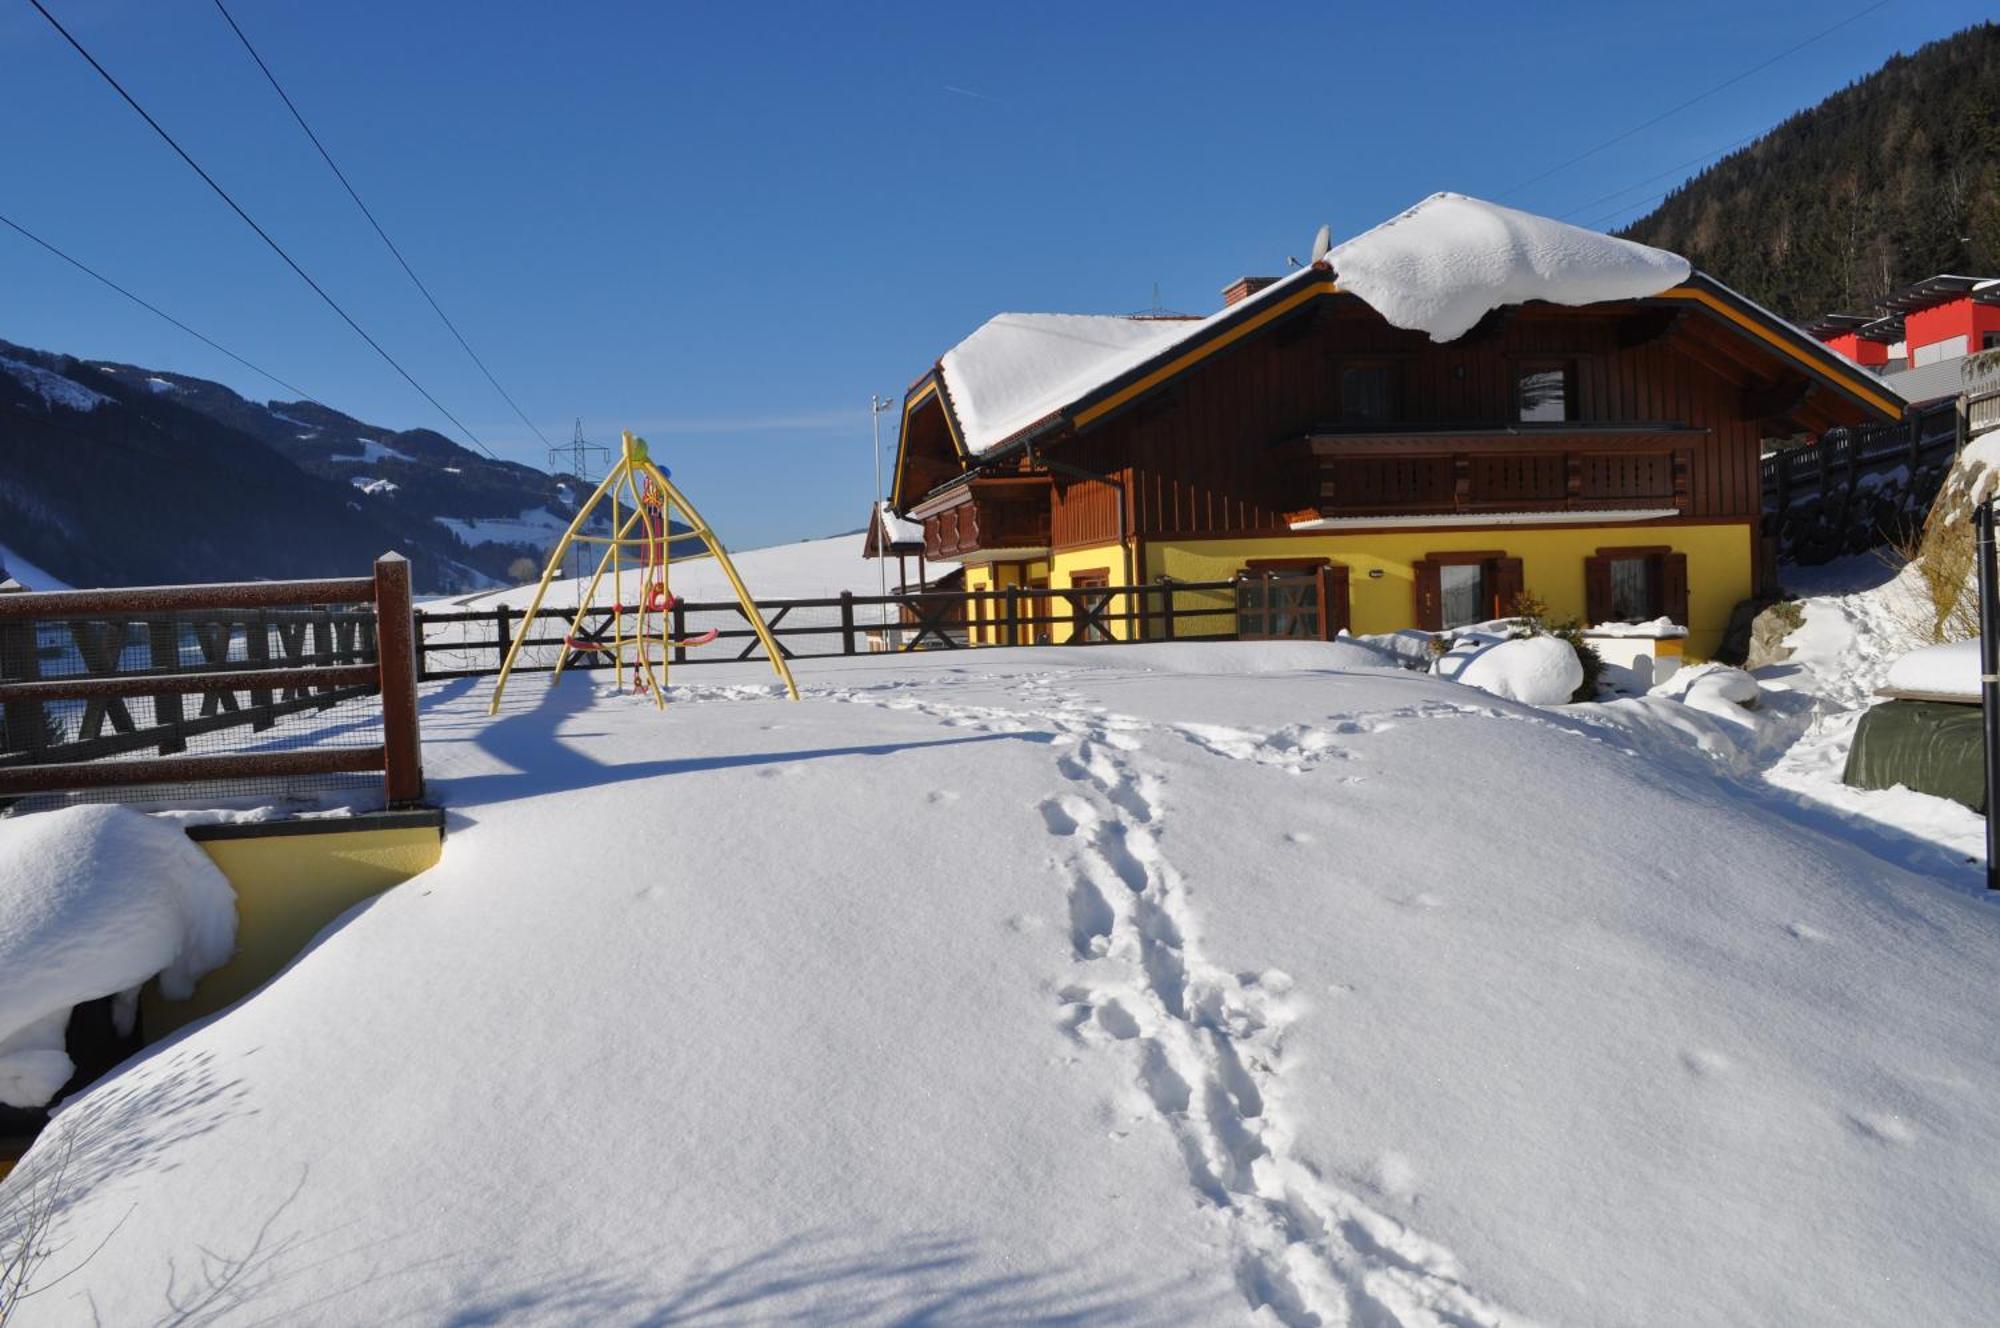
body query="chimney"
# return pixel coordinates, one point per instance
(1243, 288)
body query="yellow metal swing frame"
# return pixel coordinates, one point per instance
(647, 487)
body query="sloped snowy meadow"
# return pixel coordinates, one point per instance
(1156, 984)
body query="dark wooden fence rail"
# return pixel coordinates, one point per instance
(1842, 456)
(838, 626)
(335, 640)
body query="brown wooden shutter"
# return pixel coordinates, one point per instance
(1429, 596)
(1674, 587)
(1333, 605)
(1503, 578)
(1596, 590)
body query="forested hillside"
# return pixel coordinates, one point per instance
(1891, 179)
(112, 474)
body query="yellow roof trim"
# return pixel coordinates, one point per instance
(929, 389)
(1763, 333)
(1203, 351)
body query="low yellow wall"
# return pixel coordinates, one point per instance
(1720, 558)
(289, 885)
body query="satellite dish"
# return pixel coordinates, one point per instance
(1322, 242)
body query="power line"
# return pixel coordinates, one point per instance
(341, 175)
(262, 234)
(1698, 97)
(299, 392)
(1821, 119)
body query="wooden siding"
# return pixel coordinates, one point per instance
(1085, 511)
(1207, 453)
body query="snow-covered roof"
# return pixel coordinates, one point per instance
(1437, 268)
(1018, 369)
(1450, 260)
(896, 528)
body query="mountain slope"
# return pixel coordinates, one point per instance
(1890, 180)
(113, 474)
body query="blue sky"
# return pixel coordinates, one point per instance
(725, 226)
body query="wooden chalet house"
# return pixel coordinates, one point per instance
(1464, 403)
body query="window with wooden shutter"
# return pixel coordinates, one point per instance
(1456, 589)
(1430, 596)
(1335, 615)
(1504, 579)
(1635, 585)
(1674, 587)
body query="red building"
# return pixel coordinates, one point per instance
(1940, 318)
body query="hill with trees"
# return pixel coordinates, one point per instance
(1890, 180)
(112, 474)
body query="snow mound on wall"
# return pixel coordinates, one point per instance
(1018, 368)
(1443, 265)
(1539, 670)
(94, 900)
(1951, 669)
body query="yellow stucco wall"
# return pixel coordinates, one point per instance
(983, 630)
(1108, 558)
(288, 887)
(1720, 566)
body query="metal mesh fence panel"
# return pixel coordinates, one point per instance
(110, 715)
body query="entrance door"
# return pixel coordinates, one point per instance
(1291, 600)
(1089, 608)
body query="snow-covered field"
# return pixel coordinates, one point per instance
(807, 569)
(1159, 984)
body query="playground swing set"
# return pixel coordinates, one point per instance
(643, 501)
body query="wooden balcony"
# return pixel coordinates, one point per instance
(988, 519)
(1558, 469)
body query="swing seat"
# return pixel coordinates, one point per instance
(583, 646)
(703, 639)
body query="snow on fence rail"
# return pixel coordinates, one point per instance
(471, 643)
(1841, 457)
(263, 681)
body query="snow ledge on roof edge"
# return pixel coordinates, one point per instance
(1450, 260)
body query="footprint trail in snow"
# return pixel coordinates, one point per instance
(1204, 1044)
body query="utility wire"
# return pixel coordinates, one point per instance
(341, 175)
(1821, 119)
(262, 234)
(1698, 97)
(299, 392)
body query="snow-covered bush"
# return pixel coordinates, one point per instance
(1539, 670)
(95, 900)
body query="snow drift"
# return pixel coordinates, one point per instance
(94, 900)
(1443, 265)
(1073, 985)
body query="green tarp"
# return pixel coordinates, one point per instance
(1930, 746)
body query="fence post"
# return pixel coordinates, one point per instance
(395, 646)
(503, 639)
(20, 661)
(1167, 607)
(846, 622)
(1013, 618)
(163, 648)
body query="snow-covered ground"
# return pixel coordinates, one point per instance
(1855, 630)
(1154, 984)
(807, 569)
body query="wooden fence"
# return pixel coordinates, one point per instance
(158, 670)
(471, 643)
(1841, 457)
